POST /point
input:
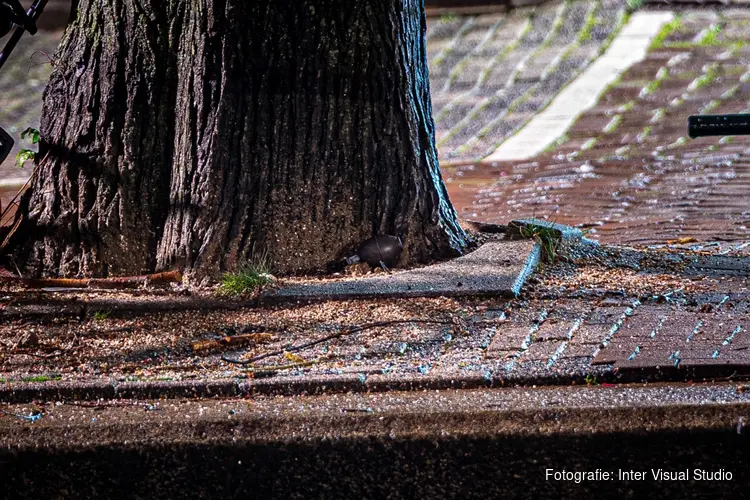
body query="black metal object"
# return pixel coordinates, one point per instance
(718, 125)
(12, 14)
(383, 249)
(27, 22)
(6, 143)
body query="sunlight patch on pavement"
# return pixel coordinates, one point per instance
(629, 47)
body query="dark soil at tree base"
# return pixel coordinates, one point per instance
(210, 146)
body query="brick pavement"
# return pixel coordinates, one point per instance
(626, 170)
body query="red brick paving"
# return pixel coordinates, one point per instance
(643, 182)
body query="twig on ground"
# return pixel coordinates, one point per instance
(109, 283)
(340, 333)
(231, 341)
(56, 354)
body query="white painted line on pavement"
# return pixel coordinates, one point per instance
(629, 47)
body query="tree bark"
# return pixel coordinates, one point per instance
(196, 134)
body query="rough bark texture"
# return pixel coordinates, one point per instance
(195, 134)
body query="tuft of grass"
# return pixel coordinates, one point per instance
(591, 380)
(548, 239)
(40, 378)
(248, 277)
(101, 315)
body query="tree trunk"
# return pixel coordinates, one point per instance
(195, 134)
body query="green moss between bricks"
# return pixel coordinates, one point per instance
(711, 37)
(665, 32)
(556, 143)
(613, 124)
(704, 80)
(448, 18)
(588, 25)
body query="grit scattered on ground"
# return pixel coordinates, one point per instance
(578, 320)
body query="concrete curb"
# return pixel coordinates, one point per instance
(292, 386)
(495, 269)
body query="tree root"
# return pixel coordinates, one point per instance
(108, 283)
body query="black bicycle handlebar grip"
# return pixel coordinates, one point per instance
(6, 144)
(718, 125)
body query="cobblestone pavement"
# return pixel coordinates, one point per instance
(491, 73)
(626, 169)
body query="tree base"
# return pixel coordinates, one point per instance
(175, 136)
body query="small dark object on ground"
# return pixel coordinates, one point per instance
(28, 339)
(383, 249)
